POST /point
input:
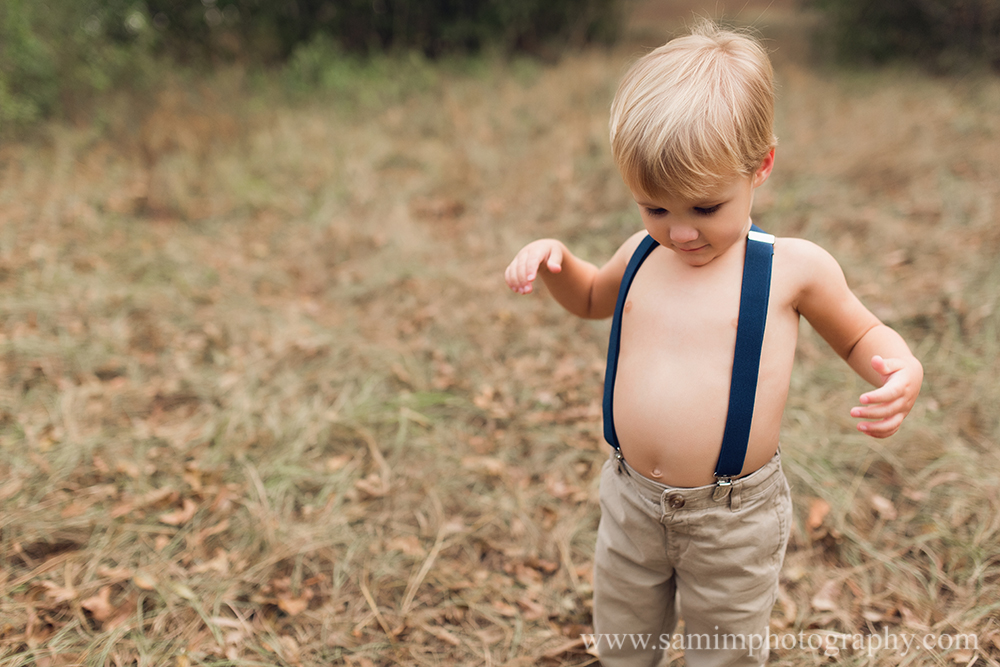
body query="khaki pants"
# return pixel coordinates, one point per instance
(664, 550)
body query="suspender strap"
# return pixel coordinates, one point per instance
(638, 257)
(746, 360)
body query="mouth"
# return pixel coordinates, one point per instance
(691, 250)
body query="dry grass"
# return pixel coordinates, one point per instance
(265, 399)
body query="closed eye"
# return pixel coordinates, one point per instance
(707, 210)
(656, 212)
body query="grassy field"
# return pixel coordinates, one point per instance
(265, 399)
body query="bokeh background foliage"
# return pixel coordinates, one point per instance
(56, 54)
(944, 34)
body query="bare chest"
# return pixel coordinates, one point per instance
(682, 311)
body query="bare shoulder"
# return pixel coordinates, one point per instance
(616, 265)
(819, 292)
(803, 265)
(800, 253)
(631, 243)
(604, 292)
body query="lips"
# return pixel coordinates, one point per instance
(701, 247)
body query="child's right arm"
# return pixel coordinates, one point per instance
(578, 286)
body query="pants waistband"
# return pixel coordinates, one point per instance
(699, 497)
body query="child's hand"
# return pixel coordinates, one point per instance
(890, 403)
(523, 269)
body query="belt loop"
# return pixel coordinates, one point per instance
(735, 495)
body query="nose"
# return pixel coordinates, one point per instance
(683, 234)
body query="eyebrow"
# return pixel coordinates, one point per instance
(704, 203)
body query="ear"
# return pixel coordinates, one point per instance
(764, 170)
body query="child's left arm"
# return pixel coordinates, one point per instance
(875, 351)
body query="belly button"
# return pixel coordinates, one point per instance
(628, 306)
(656, 472)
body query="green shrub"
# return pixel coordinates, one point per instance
(28, 82)
(269, 29)
(939, 33)
(273, 30)
(55, 56)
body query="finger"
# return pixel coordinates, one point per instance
(524, 269)
(882, 429)
(878, 363)
(884, 366)
(532, 261)
(554, 263)
(890, 391)
(512, 276)
(879, 411)
(515, 275)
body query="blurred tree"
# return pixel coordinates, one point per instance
(271, 29)
(54, 54)
(941, 33)
(28, 85)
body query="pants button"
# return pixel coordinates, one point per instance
(675, 500)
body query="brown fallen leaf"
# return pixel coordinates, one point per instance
(873, 615)
(99, 605)
(144, 580)
(293, 606)
(154, 497)
(789, 611)
(291, 649)
(114, 574)
(963, 657)
(335, 463)
(825, 598)
(442, 634)
(218, 564)
(532, 609)
(486, 464)
(181, 516)
(911, 620)
(58, 593)
(372, 485)
(565, 647)
(504, 609)
(884, 507)
(408, 544)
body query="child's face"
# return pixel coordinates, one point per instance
(699, 230)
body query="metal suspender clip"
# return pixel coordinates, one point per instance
(722, 487)
(621, 463)
(762, 237)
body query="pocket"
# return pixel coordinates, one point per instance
(783, 514)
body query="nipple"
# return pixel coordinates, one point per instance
(656, 473)
(627, 307)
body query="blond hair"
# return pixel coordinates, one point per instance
(693, 113)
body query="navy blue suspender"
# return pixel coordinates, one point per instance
(746, 359)
(638, 257)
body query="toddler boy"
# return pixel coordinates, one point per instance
(689, 525)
